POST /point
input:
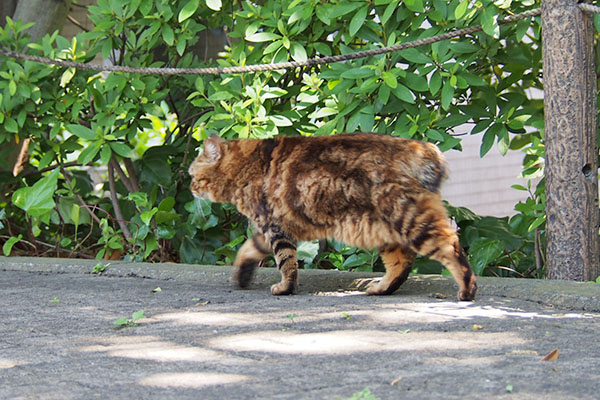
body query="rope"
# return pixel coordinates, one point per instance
(589, 8)
(277, 66)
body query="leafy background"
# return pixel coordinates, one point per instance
(136, 134)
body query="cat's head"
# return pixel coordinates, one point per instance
(206, 179)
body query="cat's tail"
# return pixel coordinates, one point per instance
(433, 168)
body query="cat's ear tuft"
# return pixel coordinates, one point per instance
(212, 147)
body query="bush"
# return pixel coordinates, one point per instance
(140, 132)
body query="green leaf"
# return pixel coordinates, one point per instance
(415, 56)
(167, 204)
(498, 229)
(358, 73)
(88, 154)
(416, 82)
(357, 259)
(66, 76)
(11, 125)
(8, 245)
(414, 5)
(489, 138)
(121, 321)
(307, 251)
(214, 4)
(262, 37)
(298, 52)
(447, 95)
(105, 154)
(357, 20)
(12, 88)
(403, 93)
(75, 212)
(489, 22)
(461, 9)
(168, 35)
(188, 10)
(37, 200)
(121, 149)
(389, 11)
(487, 142)
(280, 120)
(389, 79)
(435, 83)
(484, 251)
(503, 140)
(146, 216)
(81, 131)
(522, 28)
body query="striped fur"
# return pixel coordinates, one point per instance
(366, 190)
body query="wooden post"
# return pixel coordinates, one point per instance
(572, 217)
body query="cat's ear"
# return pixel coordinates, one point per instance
(212, 147)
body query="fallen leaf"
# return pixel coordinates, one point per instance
(203, 303)
(477, 327)
(439, 296)
(158, 289)
(398, 379)
(553, 355)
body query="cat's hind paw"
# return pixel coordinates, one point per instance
(283, 288)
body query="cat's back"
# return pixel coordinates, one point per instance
(365, 158)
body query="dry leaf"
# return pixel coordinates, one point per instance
(23, 158)
(203, 303)
(553, 355)
(477, 327)
(398, 379)
(439, 296)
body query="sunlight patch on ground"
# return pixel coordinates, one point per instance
(5, 364)
(358, 341)
(191, 380)
(155, 349)
(212, 318)
(448, 311)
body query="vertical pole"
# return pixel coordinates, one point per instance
(572, 216)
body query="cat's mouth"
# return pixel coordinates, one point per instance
(198, 194)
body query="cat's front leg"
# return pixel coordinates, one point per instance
(251, 252)
(284, 249)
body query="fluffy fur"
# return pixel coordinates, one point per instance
(366, 190)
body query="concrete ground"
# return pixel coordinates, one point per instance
(200, 338)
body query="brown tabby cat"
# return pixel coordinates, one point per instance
(366, 190)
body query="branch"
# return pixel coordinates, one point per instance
(61, 166)
(77, 23)
(113, 163)
(115, 203)
(131, 171)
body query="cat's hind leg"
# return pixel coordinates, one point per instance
(252, 251)
(438, 241)
(284, 249)
(398, 263)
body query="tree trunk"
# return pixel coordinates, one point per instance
(7, 9)
(571, 130)
(48, 15)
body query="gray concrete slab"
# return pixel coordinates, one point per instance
(203, 339)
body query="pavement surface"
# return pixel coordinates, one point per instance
(201, 338)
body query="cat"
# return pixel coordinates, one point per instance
(364, 189)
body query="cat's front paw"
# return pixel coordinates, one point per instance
(468, 294)
(283, 288)
(243, 274)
